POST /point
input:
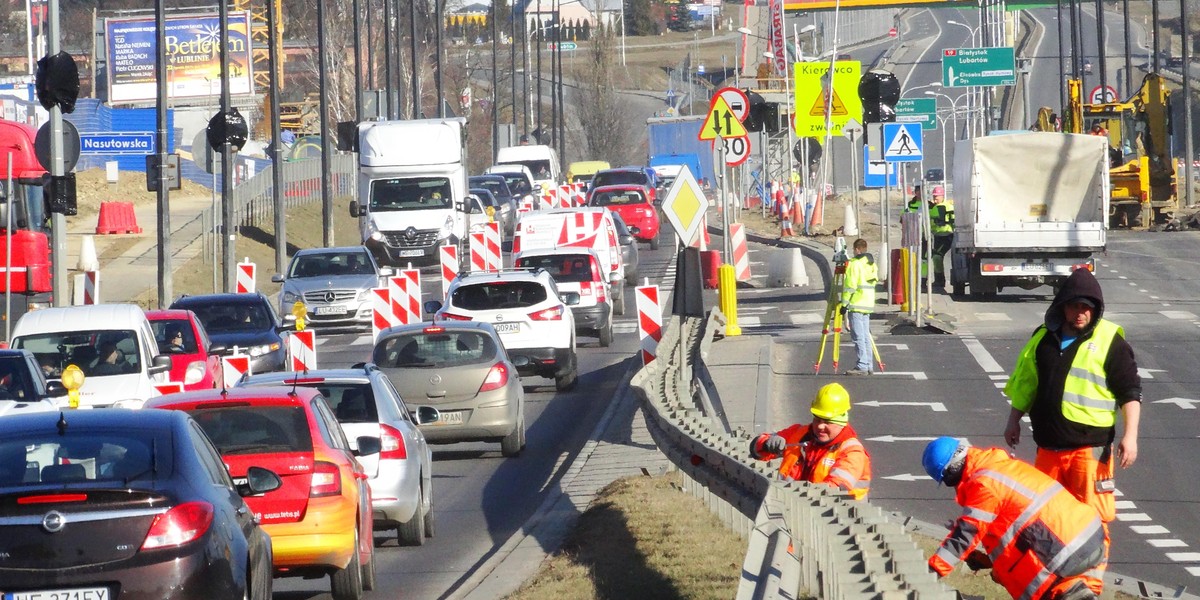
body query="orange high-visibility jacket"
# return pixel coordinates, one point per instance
(1033, 530)
(842, 463)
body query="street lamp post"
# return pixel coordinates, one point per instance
(953, 107)
(974, 90)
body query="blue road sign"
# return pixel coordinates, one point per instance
(116, 143)
(902, 142)
(878, 173)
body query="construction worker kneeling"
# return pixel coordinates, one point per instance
(825, 451)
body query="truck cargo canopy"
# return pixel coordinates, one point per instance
(410, 143)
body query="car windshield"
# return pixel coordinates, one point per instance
(82, 456)
(255, 429)
(539, 168)
(96, 353)
(517, 183)
(604, 178)
(175, 336)
(416, 193)
(617, 197)
(222, 318)
(582, 178)
(495, 186)
(498, 294)
(325, 264)
(16, 383)
(435, 349)
(574, 268)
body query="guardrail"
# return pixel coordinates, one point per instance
(804, 538)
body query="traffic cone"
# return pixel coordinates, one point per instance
(849, 224)
(87, 255)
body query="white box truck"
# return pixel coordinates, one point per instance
(412, 188)
(1029, 209)
(541, 160)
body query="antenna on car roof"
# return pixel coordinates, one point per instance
(62, 423)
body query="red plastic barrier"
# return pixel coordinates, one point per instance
(117, 217)
(896, 277)
(710, 262)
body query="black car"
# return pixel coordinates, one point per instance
(498, 186)
(135, 504)
(246, 323)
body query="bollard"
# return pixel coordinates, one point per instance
(897, 283)
(728, 294)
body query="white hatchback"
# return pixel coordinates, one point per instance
(526, 308)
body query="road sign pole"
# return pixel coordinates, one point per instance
(854, 187)
(166, 291)
(58, 222)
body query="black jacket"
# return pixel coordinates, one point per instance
(1050, 429)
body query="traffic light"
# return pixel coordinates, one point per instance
(57, 82)
(756, 116)
(879, 91)
(770, 116)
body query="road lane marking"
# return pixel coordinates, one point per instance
(1150, 529)
(1184, 556)
(981, 355)
(992, 317)
(934, 406)
(1168, 543)
(1178, 315)
(1132, 516)
(806, 319)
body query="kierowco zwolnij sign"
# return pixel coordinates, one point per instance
(193, 57)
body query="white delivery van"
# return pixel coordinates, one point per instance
(542, 162)
(585, 227)
(412, 188)
(112, 344)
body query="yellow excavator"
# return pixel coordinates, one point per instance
(1143, 170)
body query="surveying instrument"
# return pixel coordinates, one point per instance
(834, 315)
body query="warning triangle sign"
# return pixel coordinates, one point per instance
(721, 121)
(836, 109)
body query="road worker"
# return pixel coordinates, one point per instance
(941, 225)
(825, 451)
(858, 302)
(1039, 541)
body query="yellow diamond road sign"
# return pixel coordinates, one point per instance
(684, 206)
(721, 121)
(817, 92)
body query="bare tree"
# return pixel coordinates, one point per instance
(599, 111)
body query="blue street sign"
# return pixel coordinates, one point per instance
(116, 143)
(878, 173)
(902, 142)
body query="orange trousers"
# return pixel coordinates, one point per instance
(1078, 471)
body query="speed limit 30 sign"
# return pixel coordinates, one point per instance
(737, 150)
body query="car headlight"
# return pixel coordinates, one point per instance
(263, 349)
(129, 403)
(373, 230)
(194, 372)
(289, 297)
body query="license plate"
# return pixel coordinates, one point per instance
(450, 418)
(330, 310)
(412, 253)
(98, 593)
(1035, 267)
(507, 327)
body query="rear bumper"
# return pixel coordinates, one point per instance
(591, 318)
(486, 424)
(395, 492)
(545, 362)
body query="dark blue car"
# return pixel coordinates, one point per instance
(246, 323)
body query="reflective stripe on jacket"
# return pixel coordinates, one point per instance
(858, 285)
(843, 463)
(1033, 530)
(1086, 398)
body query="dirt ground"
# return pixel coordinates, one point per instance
(831, 223)
(92, 188)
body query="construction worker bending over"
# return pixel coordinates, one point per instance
(1071, 377)
(825, 451)
(941, 225)
(858, 302)
(1038, 540)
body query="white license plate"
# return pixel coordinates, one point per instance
(1035, 267)
(507, 327)
(330, 310)
(97, 593)
(450, 418)
(411, 253)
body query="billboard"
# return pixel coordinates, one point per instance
(806, 5)
(193, 57)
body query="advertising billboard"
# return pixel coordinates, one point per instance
(193, 57)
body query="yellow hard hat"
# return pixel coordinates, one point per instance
(832, 403)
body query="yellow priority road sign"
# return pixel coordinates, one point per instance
(818, 91)
(684, 207)
(721, 121)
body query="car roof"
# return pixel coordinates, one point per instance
(144, 418)
(285, 378)
(221, 299)
(276, 395)
(335, 250)
(508, 275)
(170, 314)
(14, 353)
(444, 325)
(95, 317)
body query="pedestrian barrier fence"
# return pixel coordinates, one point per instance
(803, 537)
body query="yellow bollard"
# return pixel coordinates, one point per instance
(905, 259)
(72, 379)
(727, 290)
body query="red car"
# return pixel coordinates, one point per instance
(636, 207)
(320, 518)
(195, 361)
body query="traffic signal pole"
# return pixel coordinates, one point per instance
(58, 222)
(229, 239)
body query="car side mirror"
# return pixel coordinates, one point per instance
(354, 208)
(160, 364)
(425, 415)
(570, 298)
(277, 278)
(614, 278)
(460, 206)
(55, 389)
(386, 271)
(432, 306)
(217, 349)
(368, 445)
(259, 481)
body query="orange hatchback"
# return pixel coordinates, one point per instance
(319, 520)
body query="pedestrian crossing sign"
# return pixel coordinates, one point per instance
(902, 142)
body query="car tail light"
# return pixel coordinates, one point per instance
(326, 480)
(434, 329)
(496, 378)
(516, 241)
(178, 526)
(453, 317)
(393, 443)
(1084, 266)
(550, 314)
(52, 499)
(991, 268)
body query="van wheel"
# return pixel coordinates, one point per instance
(347, 584)
(606, 335)
(412, 532)
(619, 302)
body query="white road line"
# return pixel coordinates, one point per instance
(1178, 315)
(361, 341)
(1121, 276)
(806, 319)
(749, 321)
(993, 317)
(998, 377)
(1184, 556)
(982, 356)
(1000, 384)
(625, 327)
(1150, 529)
(1133, 517)
(1125, 505)
(1169, 543)
(916, 375)
(1193, 571)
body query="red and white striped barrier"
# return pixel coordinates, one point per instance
(381, 311)
(478, 253)
(404, 295)
(246, 272)
(171, 387)
(91, 287)
(485, 249)
(649, 320)
(526, 205)
(449, 256)
(580, 227)
(302, 351)
(233, 367)
(741, 256)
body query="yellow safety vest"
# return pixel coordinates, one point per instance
(858, 287)
(1086, 397)
(941, 218)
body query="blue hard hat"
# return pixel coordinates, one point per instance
(938, 454)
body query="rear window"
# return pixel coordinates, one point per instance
(350, 402)
(222, 318)
(617, 197)
(442, 349)
(255, 429)
(575, 268)
(82, 456)
(498, 294)
(604, 178)
(517, 183)
(494, 186)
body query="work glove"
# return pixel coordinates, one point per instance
(775, 444)
(842, 309)
(977, 560)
